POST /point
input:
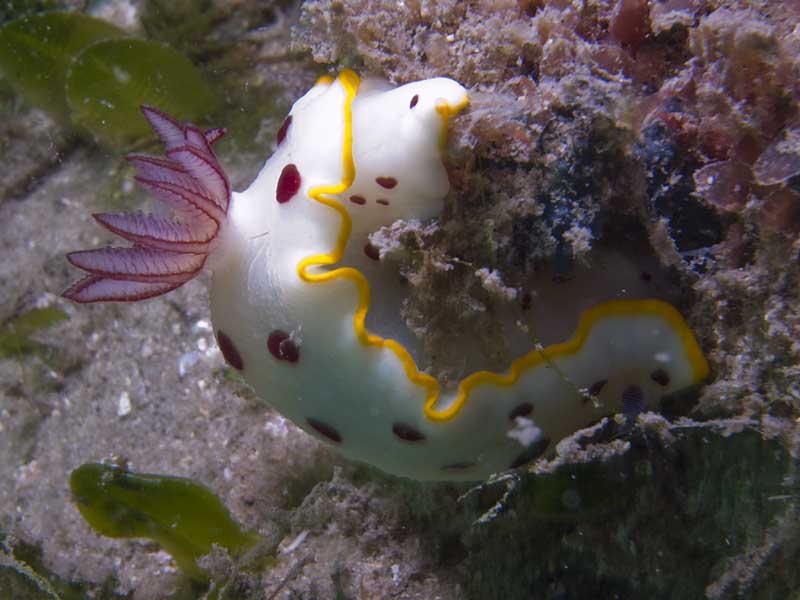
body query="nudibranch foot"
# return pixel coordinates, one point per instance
(166, 253)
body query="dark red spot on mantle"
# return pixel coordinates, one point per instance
(386, 182)
(414, 101)
(358, 199)
(407, 432)
(372, 251)
(282, 347)
(229, 351)
(382, 201)
(521, 410)
(288, 184)
(324, 429)
(284, 128)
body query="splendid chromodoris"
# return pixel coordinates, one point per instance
(294, 273)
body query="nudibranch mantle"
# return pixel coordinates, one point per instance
(292, 275)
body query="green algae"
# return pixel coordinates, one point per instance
(688, 510)
(580, 493)
(15, 333)
(184, 517)
(90, 75)
(36, 51)
(109, 81)
(43, 361)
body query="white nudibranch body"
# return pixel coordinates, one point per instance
(292, 276)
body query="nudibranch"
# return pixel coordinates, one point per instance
(293, 273)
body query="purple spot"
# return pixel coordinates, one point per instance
(414, 101)
(288, 184)
(386, 182)
(382, 201)
(407, 433)
(284, 128)
(360, 200)
(282, 347)
(229, 351)
(324, 430)
(372, 252)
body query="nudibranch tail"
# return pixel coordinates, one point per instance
(166, 253)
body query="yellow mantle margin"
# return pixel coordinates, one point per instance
(350, 82)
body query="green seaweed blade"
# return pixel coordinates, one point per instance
(36, 51)
(14, 334)
(184, 517)
(109, 81)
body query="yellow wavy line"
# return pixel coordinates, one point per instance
(588, 318)
(350, 81)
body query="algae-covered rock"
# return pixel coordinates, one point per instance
(669, 517)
